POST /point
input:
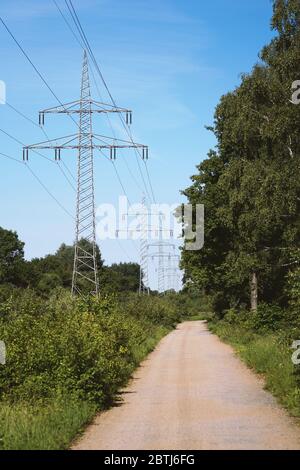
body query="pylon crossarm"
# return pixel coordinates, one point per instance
(53, 143)
(64, 107)
(58, 147)
(162, 243)
(69, 108)
(85, 142)
(64, 143)
(142, 230)
(103, 138)
(158, 255)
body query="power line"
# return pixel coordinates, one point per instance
(79, 27)
(21, 114)
(107, 116)
(95, 82)
(47, 190)
(109, 122)
(11, 158)
(39, 181)
(45, 81)
(150, 183)
(22, 143)
(66, 177)
(68, 24)
(29, 60)
(48, 139)
(59, 101)
(36, 69)
(38, 153)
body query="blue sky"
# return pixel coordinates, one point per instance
(167, 60)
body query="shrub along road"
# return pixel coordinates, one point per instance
(192, 392)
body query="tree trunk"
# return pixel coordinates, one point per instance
(253, 291)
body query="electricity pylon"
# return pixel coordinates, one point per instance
(144, 273)
(171, 271)
(168, 272)
(145, 229)
(161, 258)
(85, 272)
(161, 270)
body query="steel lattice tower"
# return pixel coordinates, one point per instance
(85, 263)
(85, 275)
(161, 265)
(144, 274)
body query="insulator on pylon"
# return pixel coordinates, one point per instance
(117, 233)
(145, 153)
(128, 118)
(171, 233)
(115, 153)
(23, 155)
(55, 153)
(111, 153)
(41, 119)
(59, 154)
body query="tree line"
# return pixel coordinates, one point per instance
(250, 183)
(45, 274)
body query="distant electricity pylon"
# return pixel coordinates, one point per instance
(85, 272)
(172, 271)
(144, 272)
(145, 230)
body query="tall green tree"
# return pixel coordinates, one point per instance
(250, 185)
(122, 277)
(11, 257)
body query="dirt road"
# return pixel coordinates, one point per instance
(193, 393)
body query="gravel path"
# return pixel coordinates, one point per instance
(193, 393)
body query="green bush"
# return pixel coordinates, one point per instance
(266, 318)
(84, 347)
(79, 348)
(78, 352)
(154, 309)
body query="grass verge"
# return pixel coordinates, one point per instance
(46, 426)
(268, 355)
